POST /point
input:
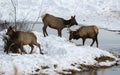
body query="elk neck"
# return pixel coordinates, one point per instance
(14, 35)
(67, 22)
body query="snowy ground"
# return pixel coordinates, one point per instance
(59, 55)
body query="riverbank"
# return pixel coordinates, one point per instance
(60, 56)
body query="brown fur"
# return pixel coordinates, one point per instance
(23, 38)
(85, 32)
(57, 23)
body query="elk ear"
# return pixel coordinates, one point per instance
(74, 16)
(10, 27)
(13, 27)
(71, 16)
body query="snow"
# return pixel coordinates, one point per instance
(57, 51)
(103, 13)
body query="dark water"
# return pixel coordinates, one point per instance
(108, 40)
(109, 71)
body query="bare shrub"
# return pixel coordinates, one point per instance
(7, 43)
(23, 26)
(4, 25)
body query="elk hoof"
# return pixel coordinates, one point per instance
(30, 53)
(41, 53)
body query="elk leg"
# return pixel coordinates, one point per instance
(84, 41)
(31, 48)
(92, 42)
(96, 42)
(59, 33)
(39, 48)
(22, 49)
(44, 31)
(10, 47)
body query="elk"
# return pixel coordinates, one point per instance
(21, 38)
(85, 32)
(57, 23)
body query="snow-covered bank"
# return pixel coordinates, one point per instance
(59, 55)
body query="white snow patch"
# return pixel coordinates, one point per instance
(58, 51)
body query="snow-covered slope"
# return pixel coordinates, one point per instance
(59, 55)
(104, 13)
